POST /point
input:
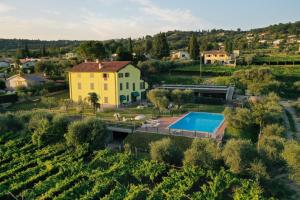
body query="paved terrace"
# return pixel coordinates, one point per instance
(162, 128)
(205, 89)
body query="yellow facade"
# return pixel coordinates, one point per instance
(112, 88)
(216, 57)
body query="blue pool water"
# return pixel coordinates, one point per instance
(199, 121)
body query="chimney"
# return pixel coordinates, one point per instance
(97, 61)
(85, 60)
(100, 66)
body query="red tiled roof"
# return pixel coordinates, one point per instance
(111, 66)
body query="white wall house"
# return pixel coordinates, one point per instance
(24, 80)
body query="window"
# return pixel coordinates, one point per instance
(120, 75)
(92, 86)
(127, 86)
(142, 85)
(121, 86)
(133, 86)
(79, 86)
(79, 98)
(127, 97)
(91, 75)
(127, 74)
(105, 87)
(105, 99)
(78, 75)
(105, 76)
(221, 55)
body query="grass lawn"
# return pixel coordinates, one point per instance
(142, 140)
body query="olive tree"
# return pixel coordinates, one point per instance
(203, 152)
(165, 150)
(159, 98)
(90, 132)
(180, 97)
(238, 154)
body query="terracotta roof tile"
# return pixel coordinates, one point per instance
(111, 66)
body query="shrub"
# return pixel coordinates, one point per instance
(165, 150)
(91, 131)
(204, 153)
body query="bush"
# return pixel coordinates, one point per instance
(91, 132)
(165, 150)
(204, 153)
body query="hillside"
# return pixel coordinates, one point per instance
(256, 40)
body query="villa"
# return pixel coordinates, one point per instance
(216, 56)
(115, 82)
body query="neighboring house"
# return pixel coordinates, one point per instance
(71, 55)
(216, 57)
(276, 43)
(115, 82)
(4, 64)
(24, 80)
(180, 55)
(28, 63)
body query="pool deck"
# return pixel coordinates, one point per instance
(164, 123)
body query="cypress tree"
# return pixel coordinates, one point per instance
(194, 48)
(160, 46)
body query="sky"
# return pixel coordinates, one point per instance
(111, 19)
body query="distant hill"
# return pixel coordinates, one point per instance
(260, 39)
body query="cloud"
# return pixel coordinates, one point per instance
(135, 18)
(5, 8)
(147, 18)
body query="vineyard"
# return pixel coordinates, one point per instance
(56, 172)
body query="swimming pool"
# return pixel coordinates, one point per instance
(199, 121)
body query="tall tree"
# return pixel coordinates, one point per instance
(92, 50)
(26, 51)
(148, 45)
(130, 47)
(160, 46)
(123, 54)
(194, 48)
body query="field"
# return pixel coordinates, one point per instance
(56, 172)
